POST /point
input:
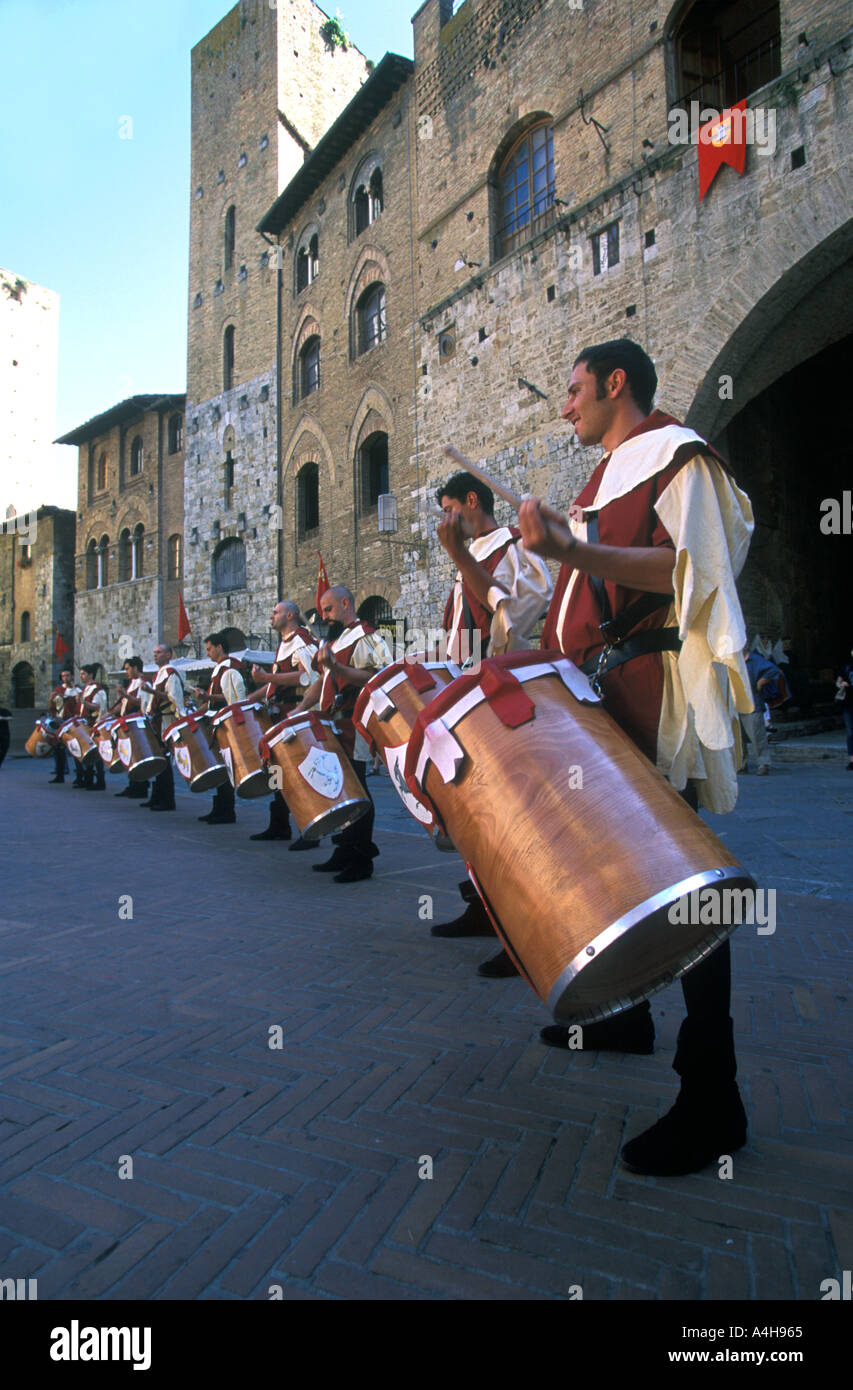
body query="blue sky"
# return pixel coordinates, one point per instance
(73, 219)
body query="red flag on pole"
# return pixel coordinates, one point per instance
(60, 647)
(322, 583)
(722, 141)
(184, 628)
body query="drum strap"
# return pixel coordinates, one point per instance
(618, 646)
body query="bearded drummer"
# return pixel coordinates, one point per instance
(291, 675)
(93, 705)
(498, 596)
(133, 700)
(166, 705)
(352, 653)
(227, 686)
(63, 703)
(646, 604)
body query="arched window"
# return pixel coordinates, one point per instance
(228, 567)
(526, 189)
(367, 199)
(307, 262)
(377, 611)
(25, 627)
(230, 235)
(124, 556)
(370, 326)
(309, 367)
(176, 433)
(136, 456)
(228, 358)
(101, 476)
(307, 500)
(136, 543)
(92, 565)
(373, 470)
(175, 559)
(723, 52)
(23, 686)
(103, 556)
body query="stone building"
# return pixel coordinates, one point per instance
(554, 210)
(344, 226)
(267, 81)
(36, 604)
(130, 529)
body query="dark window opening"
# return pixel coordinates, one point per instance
(176, 434)
(373, 470)
(136, 457)
(230, 235)
(228, 567)
(25, 627)
(307, 500)
(228, 358)
(370, 316)
(605, 249)
(307, 263)
(723, 52)
(309, 367)
(228, 478)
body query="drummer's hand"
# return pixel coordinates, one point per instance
(451, 535)
(536, 521)
(327, 656)
(258, 674)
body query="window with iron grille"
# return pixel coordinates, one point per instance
(373, 470)
(371, 325)
(723, 52)
(526, 189)
(307, 500)
(175, 559)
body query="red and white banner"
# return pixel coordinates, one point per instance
(722, 141)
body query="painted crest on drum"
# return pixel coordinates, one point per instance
(184, 761)
(396, 758)
(323, 772)
(226, 758)
(124, 750)
(105, 748)
(74, 748)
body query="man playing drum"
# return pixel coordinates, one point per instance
(167, 704)
(348, 658)
(133, 700)
(227, 686)
(499, 594)
(62, 703)
(93, 704)
(292, 673)
(652, 548)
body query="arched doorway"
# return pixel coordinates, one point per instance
(23, 686)
(789, 450)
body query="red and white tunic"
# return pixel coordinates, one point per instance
(168, 698)
(515, 601)
(665, 486)
(65, 700)
(359, 646)
(295, 652)
(96, 695)
(227, 681)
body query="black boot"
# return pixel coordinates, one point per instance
(499, 967)
(338, 862)
(474, 921)
(632, 1030)
(708, 1118)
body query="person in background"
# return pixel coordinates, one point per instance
(844, 696)
(764, 679)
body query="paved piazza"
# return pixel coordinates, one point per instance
(143, 1046)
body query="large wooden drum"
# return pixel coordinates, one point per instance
(139, 748)
(577, 845)
(104, 736)
(386, 711)
(319, 783)
(196, 759)
(43, 738)
(77, 737)
(239, 730)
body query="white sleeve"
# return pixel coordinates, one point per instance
(175, 692)
(518, 598)
(233, 686)
(305, 655)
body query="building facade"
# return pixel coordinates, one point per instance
(36, 605)
(128, 569)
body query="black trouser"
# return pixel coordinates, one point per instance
(707, 987)
(355, 845)
(163, 790)
(93, 775)
(279, 814)
(59, 760)
(223, 800)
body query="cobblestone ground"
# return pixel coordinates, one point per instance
(148, 1039)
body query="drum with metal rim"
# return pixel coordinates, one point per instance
(196, 758)
(578, 846)
(77, 737)
(139, 748)
(104, 736)
(44, 737)
(318, 781)
(239, 730)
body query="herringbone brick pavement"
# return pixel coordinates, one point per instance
(254, 1166)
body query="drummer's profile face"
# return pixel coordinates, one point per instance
(452, 507)
(333, 609)
(590, 414)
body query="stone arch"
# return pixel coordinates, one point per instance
(374, 412)
(229, 439)
(817, 285)
(307, 442)
(307, 326)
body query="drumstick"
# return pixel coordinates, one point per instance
(504, 492)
